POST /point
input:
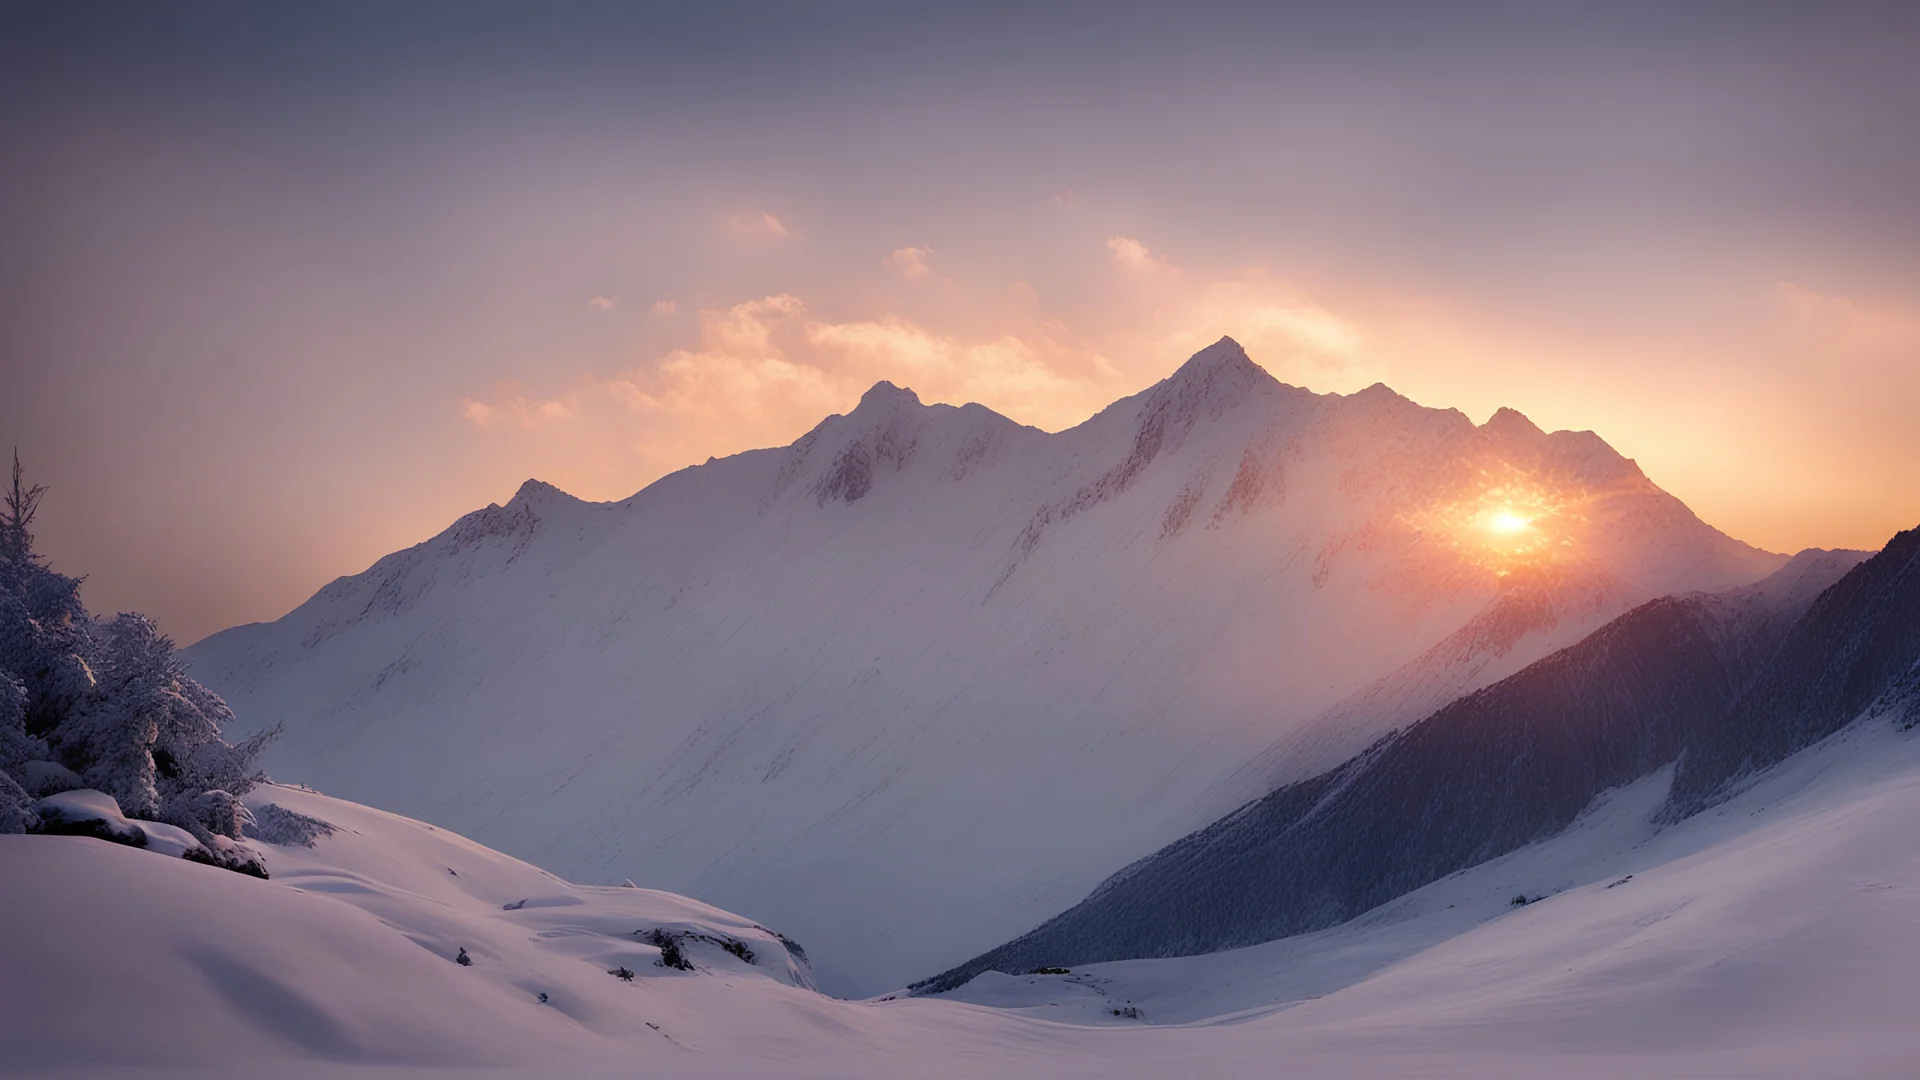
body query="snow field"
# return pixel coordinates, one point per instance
(1770, 937)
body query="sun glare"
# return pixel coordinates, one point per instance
(1510, 521)
(1506, 522)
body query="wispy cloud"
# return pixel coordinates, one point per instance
(665, 307)
(910, 262)
(516, 410)
(603, 303)
(1294, 336)
(1131, 255)
(764, 371)
(762, 224)
(773, 361)
(1843, 325)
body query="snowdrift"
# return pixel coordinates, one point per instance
(121, 955)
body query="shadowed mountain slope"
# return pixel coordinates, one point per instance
(1723, 683)
(1857, 648)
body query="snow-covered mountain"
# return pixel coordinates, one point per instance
(926, 676)
(1771, 937)
(1706, 689)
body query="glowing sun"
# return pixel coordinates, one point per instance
(1507, 523)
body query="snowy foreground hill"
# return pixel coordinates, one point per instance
(1771, 936)
(921, 680)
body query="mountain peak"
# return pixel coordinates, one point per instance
(538, 493)
(885, 393)
(533, 489)
(1219, 372)
(1221, 356)
(1380, 391)
(1511, 421)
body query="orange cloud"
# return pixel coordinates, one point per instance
(515, 410)
(761, 224)
(602, 303)
(763, 371)
(911, 262)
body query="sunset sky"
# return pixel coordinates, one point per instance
(284, 290)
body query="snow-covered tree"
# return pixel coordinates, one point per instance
(17, 508)
(16, 807)
(16, 746)
(109, 699)
(16, 749)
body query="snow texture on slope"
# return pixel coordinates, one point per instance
(1512, 764)
(1769, 937)
(925, 676)
(118, 956)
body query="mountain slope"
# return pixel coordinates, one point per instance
(1695, 680)
(1771, 918)
(1770, 937)
(925, 675)
(119, 957)
(1858, 647)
